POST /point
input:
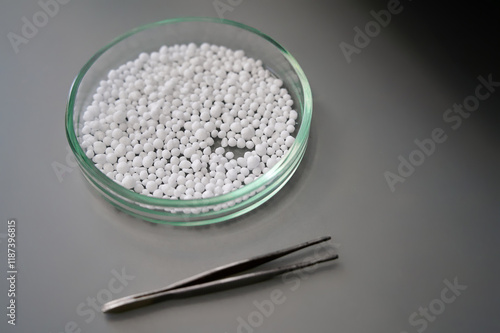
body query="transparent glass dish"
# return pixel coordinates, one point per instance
(151, 37)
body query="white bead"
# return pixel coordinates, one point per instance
(253, 162)
(279, 127)
(229, 98)
(128, 182)
(119, 116)
(232, 174)
(242, 161)
(235, 127)
(201, 134)
(111, 158)
(158, 143)
(240, 143)
(147, 162)
(99, 159)
(260, 149)
(185, 164)
(173, 143)
(120, 150)
(227, 188)
(246, 86)
(271, 161)
(216, 111)
(247, 133)
(188, 152)
(117, 133)
(99, 147)
(196, 165)
(148, 147)
(137, 161)
(151, 186)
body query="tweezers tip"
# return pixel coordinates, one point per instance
(112, 306)
(108, 307)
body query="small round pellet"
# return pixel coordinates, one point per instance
(188, 122)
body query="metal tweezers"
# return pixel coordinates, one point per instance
(218, 279)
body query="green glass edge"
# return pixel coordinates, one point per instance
(281, 166)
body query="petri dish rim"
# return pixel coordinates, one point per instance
(287, 163)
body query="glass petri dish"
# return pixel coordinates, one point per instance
(151, 37)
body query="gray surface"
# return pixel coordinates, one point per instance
(396, 248)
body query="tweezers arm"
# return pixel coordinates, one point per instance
(129, 303)
(232, 268)
(243, 265)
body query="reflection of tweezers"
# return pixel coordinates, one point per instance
(218, 279)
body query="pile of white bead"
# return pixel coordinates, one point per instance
(188, 122)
